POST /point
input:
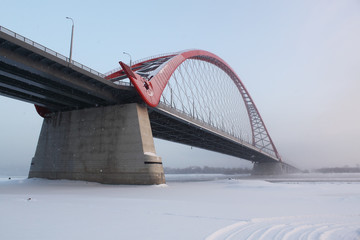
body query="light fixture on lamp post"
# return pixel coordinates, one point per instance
(72, 38)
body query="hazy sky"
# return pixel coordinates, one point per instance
(300, 61)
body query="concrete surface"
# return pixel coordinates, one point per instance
(112, 144)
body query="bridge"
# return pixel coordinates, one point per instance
(100, 127)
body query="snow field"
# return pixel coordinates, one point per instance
(302, 227)
(220, 209)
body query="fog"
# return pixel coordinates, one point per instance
(300, 61)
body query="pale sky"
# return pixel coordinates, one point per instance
(300, 61)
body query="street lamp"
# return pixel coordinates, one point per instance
(72, 37)
(129, 56)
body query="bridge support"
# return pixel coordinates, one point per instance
(267, 168)
(111, 145)
(273, 168)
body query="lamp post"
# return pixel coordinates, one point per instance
(129, 56)
(72, 37)
(130, 63)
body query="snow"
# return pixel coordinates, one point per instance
(199, 208)
(150, 154)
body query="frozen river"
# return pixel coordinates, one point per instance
(321, 206)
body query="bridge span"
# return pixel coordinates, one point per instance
(100, 127)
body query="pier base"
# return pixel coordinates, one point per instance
(112, 145)
(270, 168)
(273, 168)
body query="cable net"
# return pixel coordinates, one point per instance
(206, 93)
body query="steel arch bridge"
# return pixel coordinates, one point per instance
(101, 127)
(204, 91)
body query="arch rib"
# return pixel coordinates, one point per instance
(151, 87)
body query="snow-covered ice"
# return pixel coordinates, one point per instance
(219, 209)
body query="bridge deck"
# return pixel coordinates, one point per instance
(33, 73)
(168, 124)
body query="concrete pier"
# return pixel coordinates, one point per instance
(112, 144)
(273, 168)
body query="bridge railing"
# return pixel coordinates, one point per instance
(142, 60)
(220, 129)
(49, 51)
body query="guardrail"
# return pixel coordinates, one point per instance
(142, 60)
(49, 51)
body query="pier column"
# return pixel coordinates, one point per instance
(267, 168)
(273, 168)
(112, 144)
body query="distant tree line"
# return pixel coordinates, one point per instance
(207, 170)
(338, 170)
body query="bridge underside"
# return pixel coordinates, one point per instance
(28, 73)
(176, 129)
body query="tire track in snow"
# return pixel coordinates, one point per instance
(287, 228)
(353, 233)
(310, 230)
(271, 232)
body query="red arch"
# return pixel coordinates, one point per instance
(151, 90)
